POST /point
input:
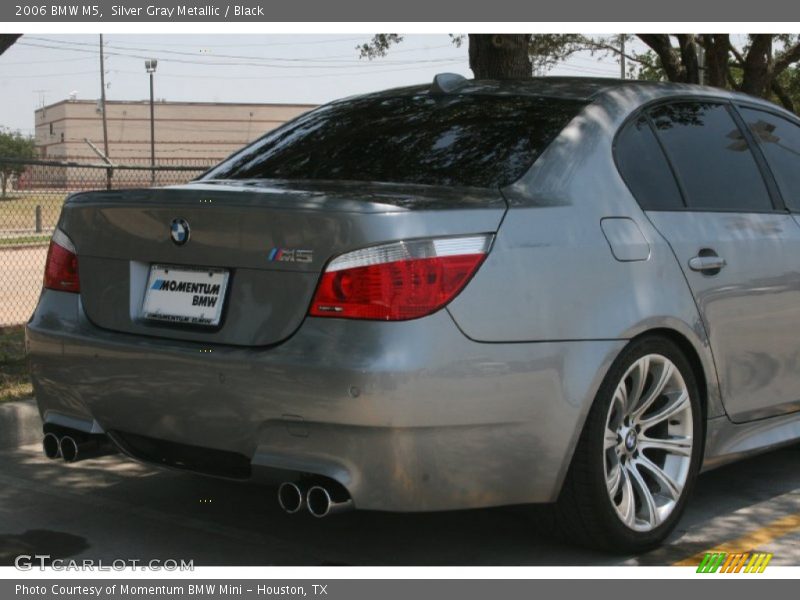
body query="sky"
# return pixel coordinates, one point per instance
(44, 69)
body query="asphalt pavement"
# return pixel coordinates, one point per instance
(111, 508)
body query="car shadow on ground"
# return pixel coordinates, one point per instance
(121, 509)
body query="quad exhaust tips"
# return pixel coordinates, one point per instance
(69, 449)
(320, 499)
(323, 501)
(291, 497)
(74, 446)
(51, 446)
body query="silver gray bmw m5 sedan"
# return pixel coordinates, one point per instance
(577, 292)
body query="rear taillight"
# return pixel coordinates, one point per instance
(398, 281)
(61, 268)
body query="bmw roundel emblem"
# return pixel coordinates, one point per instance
(179, 231)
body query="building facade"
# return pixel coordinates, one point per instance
(186, 133)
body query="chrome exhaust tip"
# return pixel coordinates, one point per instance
(51, 446)
(68, 448)
(73, 449)
(322, 502)
(290, 497)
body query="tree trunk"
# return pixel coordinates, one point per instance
(495, 56)
(691, 65)
(717, 47)
(757, 71)
(3, 180)
(661, 45)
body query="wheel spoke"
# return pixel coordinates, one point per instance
(679, 445)
(627, 506)
(613, 479)
(678, 404)
(666, 484)
(645, 495)
(638, 379)
(610, 440)
(620, 402)
(655, 391)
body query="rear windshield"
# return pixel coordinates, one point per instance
(469, 140)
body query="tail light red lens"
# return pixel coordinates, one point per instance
(399, 281)
(61, 268)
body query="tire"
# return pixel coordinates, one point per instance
(666, 436)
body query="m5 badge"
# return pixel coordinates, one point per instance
(290, 255)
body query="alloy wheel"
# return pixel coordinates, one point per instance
(648, 442)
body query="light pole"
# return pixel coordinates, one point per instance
(150, 66)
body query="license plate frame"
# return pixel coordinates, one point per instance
(185, 295)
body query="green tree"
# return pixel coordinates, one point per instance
(15, 146)
(764, 65)
(497, 56)
(759, 66)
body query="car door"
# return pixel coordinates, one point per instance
(778, 139)
(739, 250)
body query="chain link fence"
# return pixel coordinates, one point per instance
(30, 203)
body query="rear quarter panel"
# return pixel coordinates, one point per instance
(552, 275)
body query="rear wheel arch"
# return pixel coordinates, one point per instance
(577, 512)
(689, 351)
(692, 356)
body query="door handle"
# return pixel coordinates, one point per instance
(707, 262)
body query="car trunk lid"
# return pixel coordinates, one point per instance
(272, 239)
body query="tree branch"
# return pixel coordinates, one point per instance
(662, 46)
(785, 60)
(782, 95)
(595, 45)
(379, 45)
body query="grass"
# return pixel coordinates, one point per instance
(15, 381)
(18, 210)
(25, 239)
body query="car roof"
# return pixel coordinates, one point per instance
(585, 89)
(575, 88)
(624, 95)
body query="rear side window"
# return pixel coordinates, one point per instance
(711, 157)
(780, 140)
(469, 140)
(644, 168)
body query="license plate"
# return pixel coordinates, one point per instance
(185, 295)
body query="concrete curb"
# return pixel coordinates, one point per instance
(20, 423)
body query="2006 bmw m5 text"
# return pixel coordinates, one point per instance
(576, 292)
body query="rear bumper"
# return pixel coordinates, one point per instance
(408, 416)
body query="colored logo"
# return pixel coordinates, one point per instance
(290, 255)
(725, 562)
(179, 231)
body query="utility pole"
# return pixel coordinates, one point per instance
(103, 110)
(622, 55)
(150, 66)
